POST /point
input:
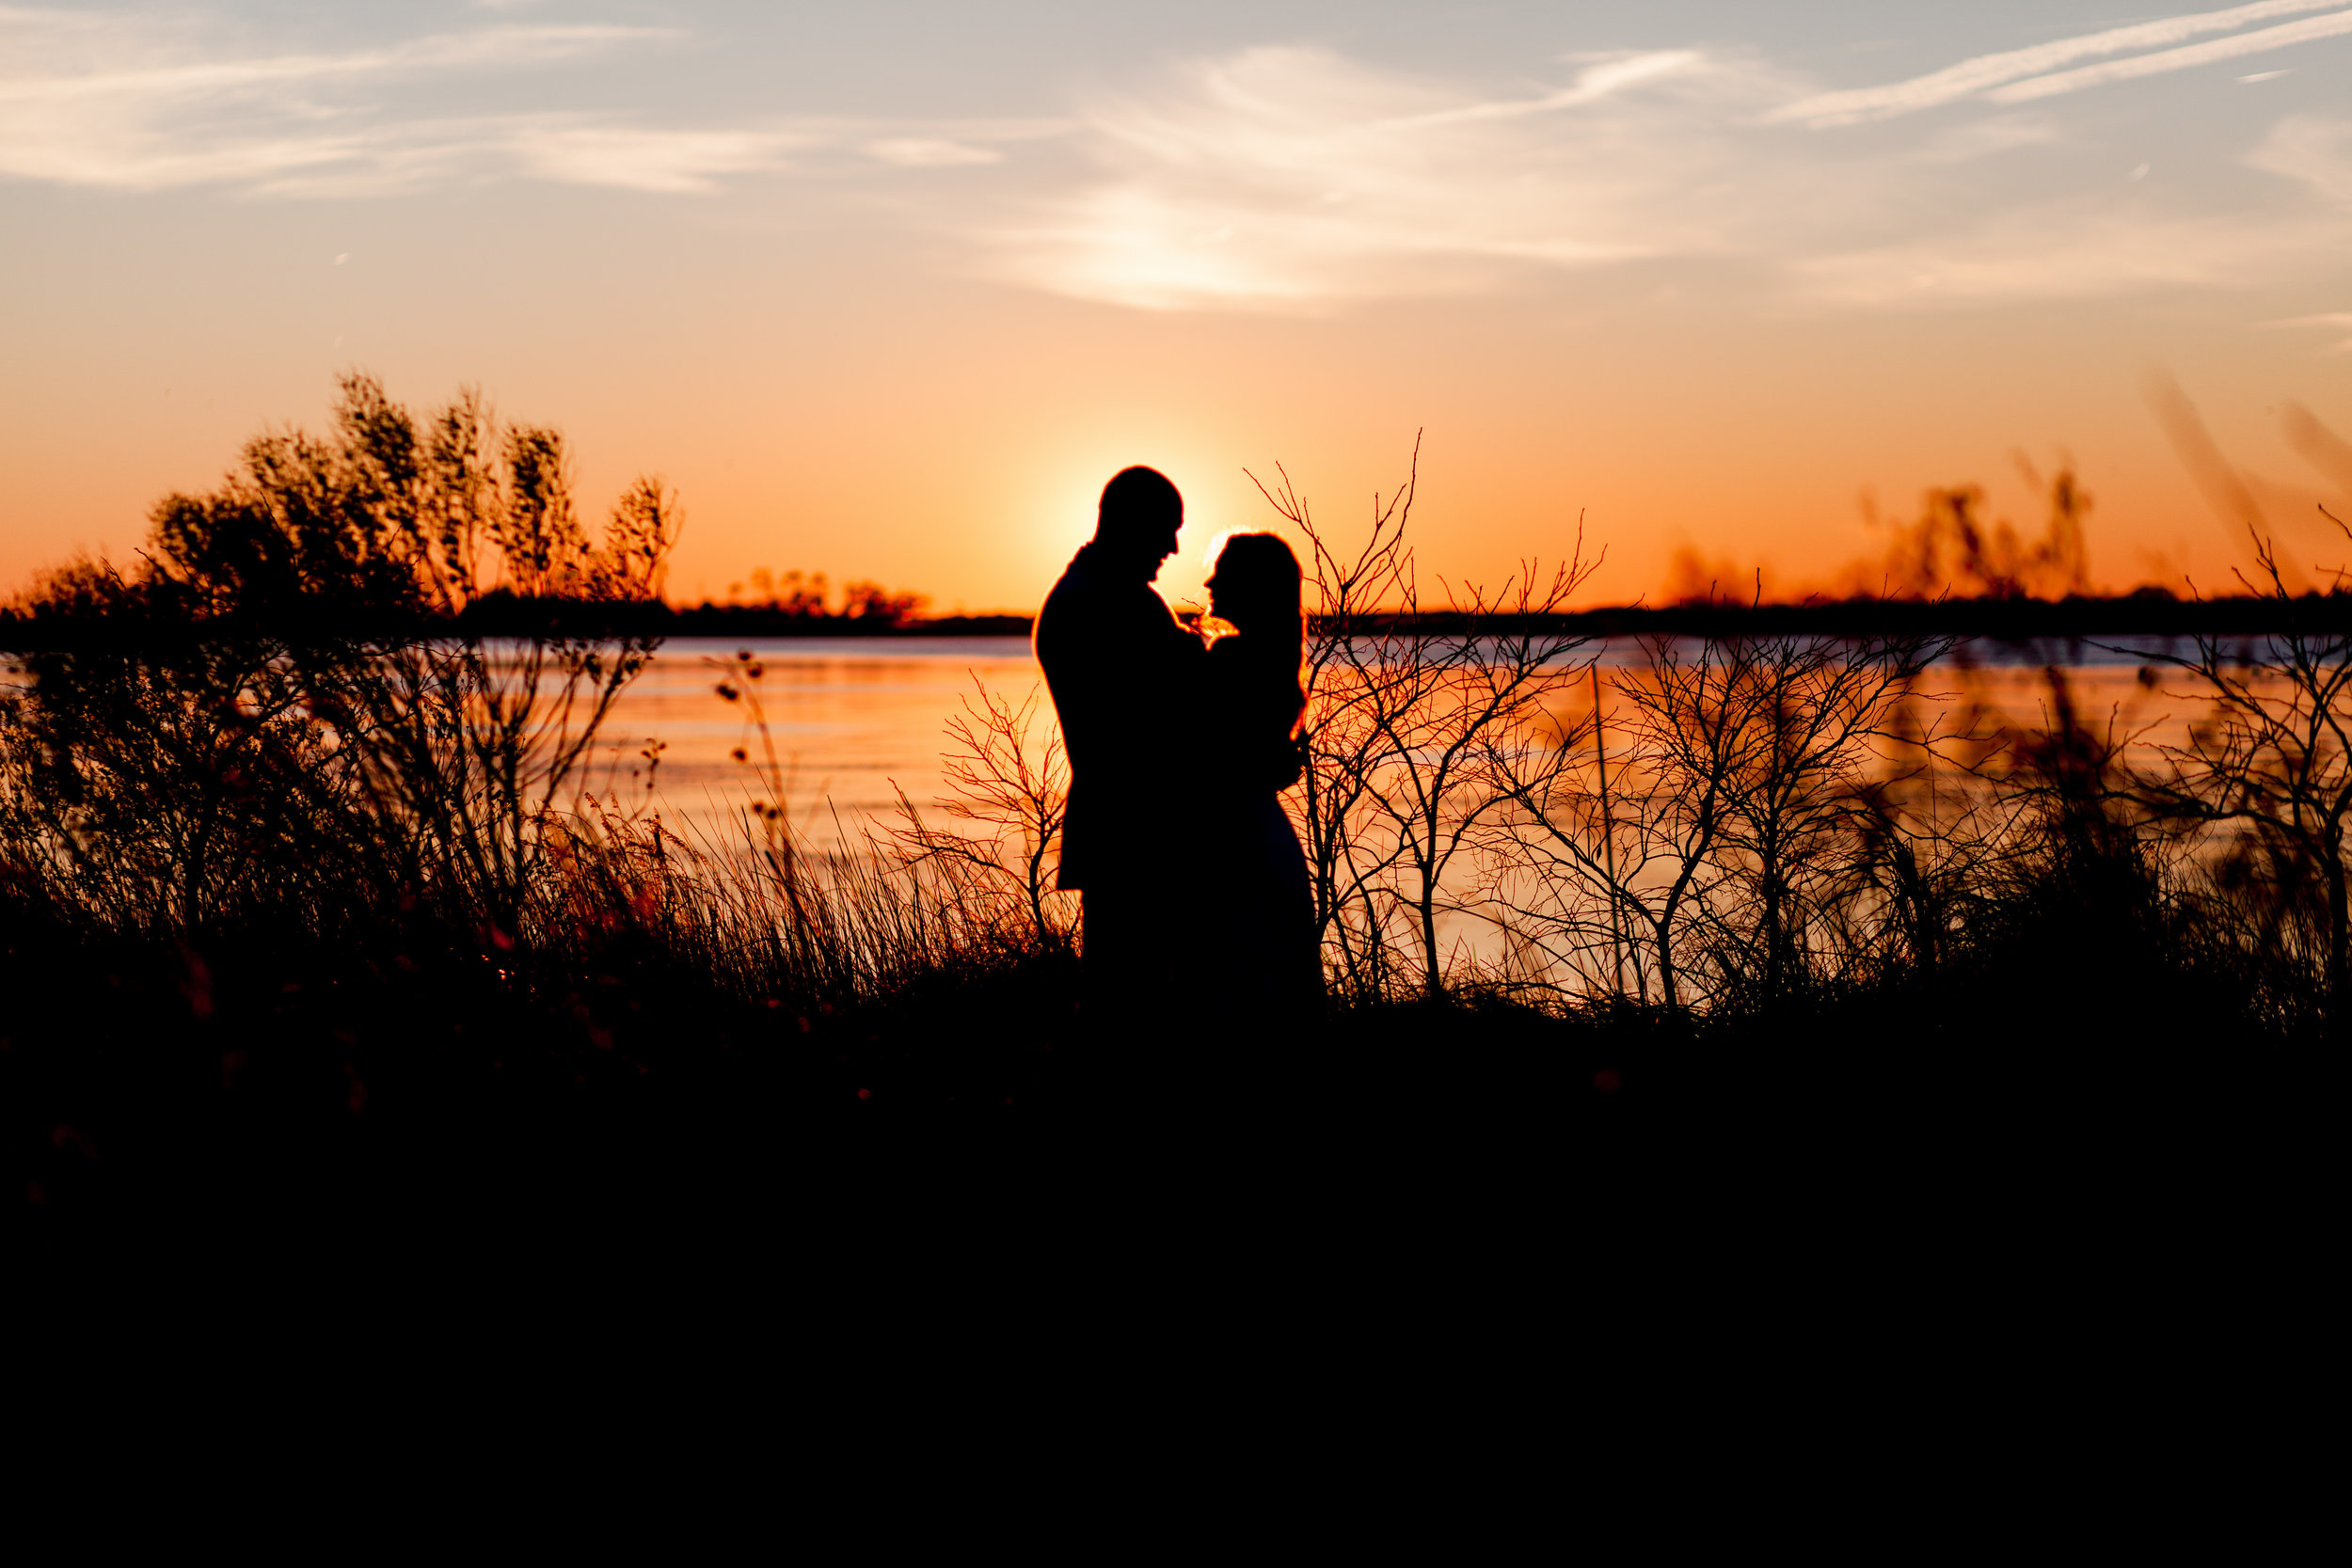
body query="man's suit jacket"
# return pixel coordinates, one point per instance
(1124, 676)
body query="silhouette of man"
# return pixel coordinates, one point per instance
(1121, 672)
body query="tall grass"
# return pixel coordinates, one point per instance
(273, 727)
(262, 780)
(277, 725)
(1751, 826)
(275, 831)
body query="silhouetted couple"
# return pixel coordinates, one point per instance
(1196, 913)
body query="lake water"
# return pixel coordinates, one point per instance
(850, 720)
(853, 720)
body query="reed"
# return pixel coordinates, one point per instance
(352, 869)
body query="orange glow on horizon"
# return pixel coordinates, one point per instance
(877, 314)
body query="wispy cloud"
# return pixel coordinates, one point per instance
(2312, 150)
(1592, 84)
(2330, 322)
(1986, 75)
(488, 47)
(59, 57)
(1286, 179)
(930, 152)
(573, 150)
(1297, 180)
(2062, 250)
(1282, 178)
(143, 104)
(2310, 30)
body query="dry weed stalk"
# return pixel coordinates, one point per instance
(2269, 768)
(1409, 715)
(1018, 801)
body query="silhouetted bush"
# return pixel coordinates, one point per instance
(305, 899)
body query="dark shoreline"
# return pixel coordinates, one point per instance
(2141, 615)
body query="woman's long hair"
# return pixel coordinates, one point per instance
(1258, 581)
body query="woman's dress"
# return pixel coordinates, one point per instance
(1261, 958)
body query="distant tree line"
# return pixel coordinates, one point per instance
(50, 621)
(46, 620)
(2143, 612)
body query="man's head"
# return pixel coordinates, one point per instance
(1139, 517)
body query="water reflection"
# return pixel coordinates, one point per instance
(852, 720)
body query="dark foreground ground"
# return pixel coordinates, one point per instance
(335, 1094)
(1894, 1258)
(2032, 1223)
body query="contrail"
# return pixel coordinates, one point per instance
(2175, 59)
(1973, 76)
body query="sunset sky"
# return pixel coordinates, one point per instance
(888, 290)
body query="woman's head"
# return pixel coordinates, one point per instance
(1256, 584)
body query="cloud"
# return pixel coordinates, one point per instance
(2064, 250)
(2308, 31)
(930, 152)
(1290, 178)
(1297, 181)
(1984, 138)
(636, 158)
(1276, 179)
(2312, 151)
(2330, 322)
(1592, 84)
(1985, 73)
(156, 84)
(144, 107)
(360, 161)
(139, 104)
(149, 103)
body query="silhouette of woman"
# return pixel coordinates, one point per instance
(1259, 960)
